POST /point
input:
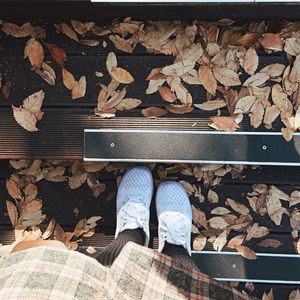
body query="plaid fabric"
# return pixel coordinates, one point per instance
(137, 273)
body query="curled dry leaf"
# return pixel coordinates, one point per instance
(295, 72)
(199, 243)
(238, 207)
(211, 105)
(121, 75)
(50, 229)
(12, 186)
(217, 223)
(68, 79)
(251, 61)
(154, 112)
(256, 114)
(224, 123)
(294, 295)
(246, 252)
(178, 109)
(23, 31)
(121, 43)
(256, 79)
(269, 243)
(287, 134)
(78, 27)
(79, 88)
(35, 53)
(292, 46)
(167, 94)
(178, 68)
(226, 76)
(77, 180)
(220, 211)
(256, 231)
(212, 196)
(199, 217)
(58, 54)
(207, 79)
(271, 113)
(47, 73)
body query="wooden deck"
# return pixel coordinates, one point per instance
(61, 130)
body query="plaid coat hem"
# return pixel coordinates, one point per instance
(137, 273)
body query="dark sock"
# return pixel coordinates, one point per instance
(111, 252)
(180, 254)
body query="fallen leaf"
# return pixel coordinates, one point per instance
(287, 134)
(59, 234)
(246, 252)
(294, 295)
(78, 27)
(36, 54)
(257, 79)
(256, 231)
(12, 186)
(167, 94)
(211, 105)
(50, 229)
(25, 118)
(272, 41)
(226, 76)
(224, 123)
(12, 213)
(238, 207)
(79, 88)
(178, 109)
(34, 103)
(273, 70)
(212, 196)
(269, 243)
(220, 211)
(292, 46)
(207, 79)
(220, 241)
(121, 75)
(217, 223)
(6, 89)
(77, 180)
(47, 73)
(128, 103)
(69, 32)
(236, 241)
(68, 79)
(121, 43)
(154, 112)
(250, 61)
(295, 72)
(58, 54)
(271, 113)
(91, 250)
(178, 68)
(111, 62)
(244, 104)
(199, 243)
(199, 217)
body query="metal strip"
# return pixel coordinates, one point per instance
(178, 146)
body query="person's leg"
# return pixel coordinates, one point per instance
(174, 222)
(133, 204)
(180, 254)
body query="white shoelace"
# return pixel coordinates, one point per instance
(174, 229)
(133, 214)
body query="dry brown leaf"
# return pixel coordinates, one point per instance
(273, 70)
(238, 207)
(207, 79)
(256, 114)
(220, 241)
(220, 211)
(246, 252)
(12, 186)
(287, 134)
(212, 196)
(178, 109)
(12, 213)
(50, 229)
(272, 41)
(295, 72)
(36, 54)
(91, 250)
(77, 180)
(199, 243)
(250, 61)
(68, 79)
(294, 295)
(69, 32)
(226, 76)
(34, 103)
(271, 113)
(79, 88)
(292, 46)
(111, 62)
(211, 105)
(59, 234)
(6, 88)
(121, 43)
(25, 118)
(256, 79)
(167, 94)
(58, 54)
(269, 243)
(236, 241)
(217, 223)
(23, 31)
(128, 103)
(30, 192)
(47, 73)
(224, 123)
(154, 112)
(256, 231)
(78, 27)
(199, 217)
(244, 104)
(178, 68)
(121, 75)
